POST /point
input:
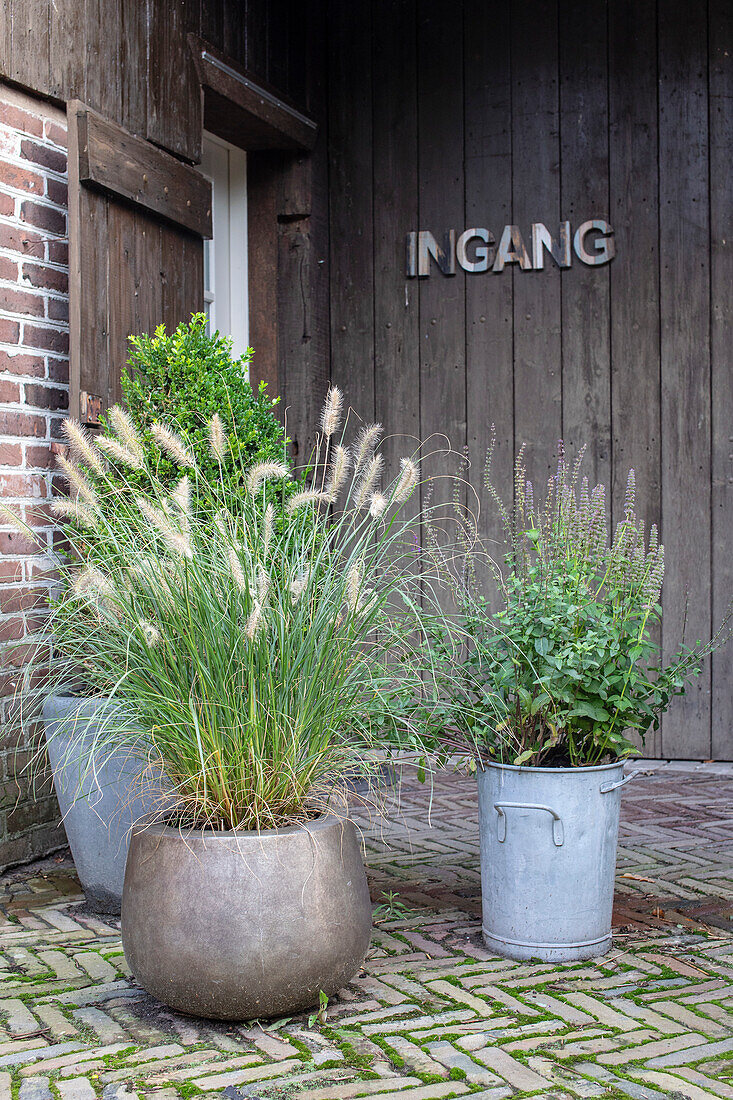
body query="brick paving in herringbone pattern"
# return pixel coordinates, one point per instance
(433, 1014)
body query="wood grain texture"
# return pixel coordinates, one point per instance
(586, 348)
(129, 270)
(262, 243)
(174, 107)
(351, 223)
(720, 40)
(489, 313)
(114, 160)
(684, 230)
(441, 205)
(396, 339)
(536, 197)
(634, 274)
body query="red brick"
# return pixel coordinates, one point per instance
(11, 629)
(23, 485)
(58, 309)
(21, 239)
(22, 654)
(56, 133)
(57, 191)
(58, 370)
(41, 154)
(20, 178)
(58, 252)
(8, 269)
(9, 391)
(20, 301)
(11, 571)
(18, 119)
(13, 422)
(40, 514)
(7, 204)
(9, 331)
(46, 397)
(14, 600)
(35, 621)
(39, 457)
(47, 277)
(28, 365)
(60, 543)
(50, 338)
(45, 217)
(37, 571)
(10, 454)
(12, 542)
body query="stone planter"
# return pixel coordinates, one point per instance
(95, 802)
(245, 925)
(548, 857)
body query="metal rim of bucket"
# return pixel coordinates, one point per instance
(552, 771)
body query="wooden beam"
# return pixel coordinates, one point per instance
(243, 110)
(115, 161)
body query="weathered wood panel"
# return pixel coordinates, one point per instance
(586, 349)
(116, 161)
(720, 38)
(441, 204)
(536, 197)
(684, 239)
(396, 340)
(129, 270)
(633, 145)
(489, 311)
(542, 111)
(171, 77)
(351, 225)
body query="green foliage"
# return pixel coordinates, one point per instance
(321, 1015)
(181, 379)
(569, 666)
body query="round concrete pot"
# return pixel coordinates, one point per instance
(241, 925)
(93, 791)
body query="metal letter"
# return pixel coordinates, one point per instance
(411, 255)
(605, 245)
(541, 240)
(484, 253)
(516, 254)
(444, 257)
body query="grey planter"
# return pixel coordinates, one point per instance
(95, 803)
(548, 857)
(245, 925)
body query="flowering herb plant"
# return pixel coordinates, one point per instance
(568, 666)
(248, 662)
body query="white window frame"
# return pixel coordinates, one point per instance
(225, 256)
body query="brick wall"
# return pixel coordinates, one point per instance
(34, 376)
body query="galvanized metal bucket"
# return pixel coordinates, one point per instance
(548, 857)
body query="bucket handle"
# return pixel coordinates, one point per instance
(558, 833)
(606, 788)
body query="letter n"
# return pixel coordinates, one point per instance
(445, 256)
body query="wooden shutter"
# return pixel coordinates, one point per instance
(137, 219)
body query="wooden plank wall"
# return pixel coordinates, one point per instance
(130, 60)
(446, 116)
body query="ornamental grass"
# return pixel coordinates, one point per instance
(248, 658)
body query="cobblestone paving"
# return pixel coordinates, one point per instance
(433, 1015)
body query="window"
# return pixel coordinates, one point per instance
(225, 256)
